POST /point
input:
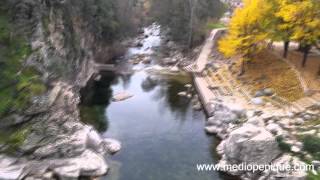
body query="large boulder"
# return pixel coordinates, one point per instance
(249, 144)
(88, 164)
(9, 170)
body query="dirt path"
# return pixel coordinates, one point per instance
(310, 72)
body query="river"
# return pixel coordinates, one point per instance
(162, 136)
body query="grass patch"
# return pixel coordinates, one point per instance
(311, 176)
(215, 25)
(312, 123)
(267, 71)
(13, 139)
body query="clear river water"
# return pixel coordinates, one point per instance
(162, 137)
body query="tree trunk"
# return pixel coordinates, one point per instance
(300, 48)
(286, 48)
(242, 68)
(318, 74)
(192, 4)
(270, 45)
(306, 50)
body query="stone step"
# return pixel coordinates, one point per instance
(220, 78)
(225, 91)
(245, 94)
(310, 101)
(229, 90)
(304, 102)
(316, 97)
(273, 102)
(216, 93)
(297, 106)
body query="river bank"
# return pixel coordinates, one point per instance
(251, 133)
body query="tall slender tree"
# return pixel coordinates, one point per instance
(247, 31)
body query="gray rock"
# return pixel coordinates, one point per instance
(256, 121)
(88, 164)
(121, 96)
(112, 146)
(274, 129)
(183, 94)
(298, 121)
(257, 101)
(295, 149)
(250, 144)
(188, 86)
(316, 164)
(197, 106)
(268, 92)
(307, 117)
(239, 110)
(212, 129)
(259, 93)
(9, 170)
(284, 161)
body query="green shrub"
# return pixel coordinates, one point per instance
(211, 26)
(311, 176)
(283, 145)
(17, 83)
(311, 144)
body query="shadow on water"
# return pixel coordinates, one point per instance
(95, 98)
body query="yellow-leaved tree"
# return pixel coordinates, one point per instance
(299, 21)
(307, 30)
(285, 22)
(247, 31)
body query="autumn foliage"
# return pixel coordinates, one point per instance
(259, 21)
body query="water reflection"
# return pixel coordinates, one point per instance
(162, 137)
(95, 98)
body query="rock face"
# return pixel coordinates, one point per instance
(63, 51)
(60, 145)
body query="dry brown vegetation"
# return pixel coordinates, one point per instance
(268, 71)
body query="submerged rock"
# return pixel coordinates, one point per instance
(197, 106)
(111, 145)
(183, 94)
(121, 96)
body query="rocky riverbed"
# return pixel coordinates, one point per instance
(250, 137)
